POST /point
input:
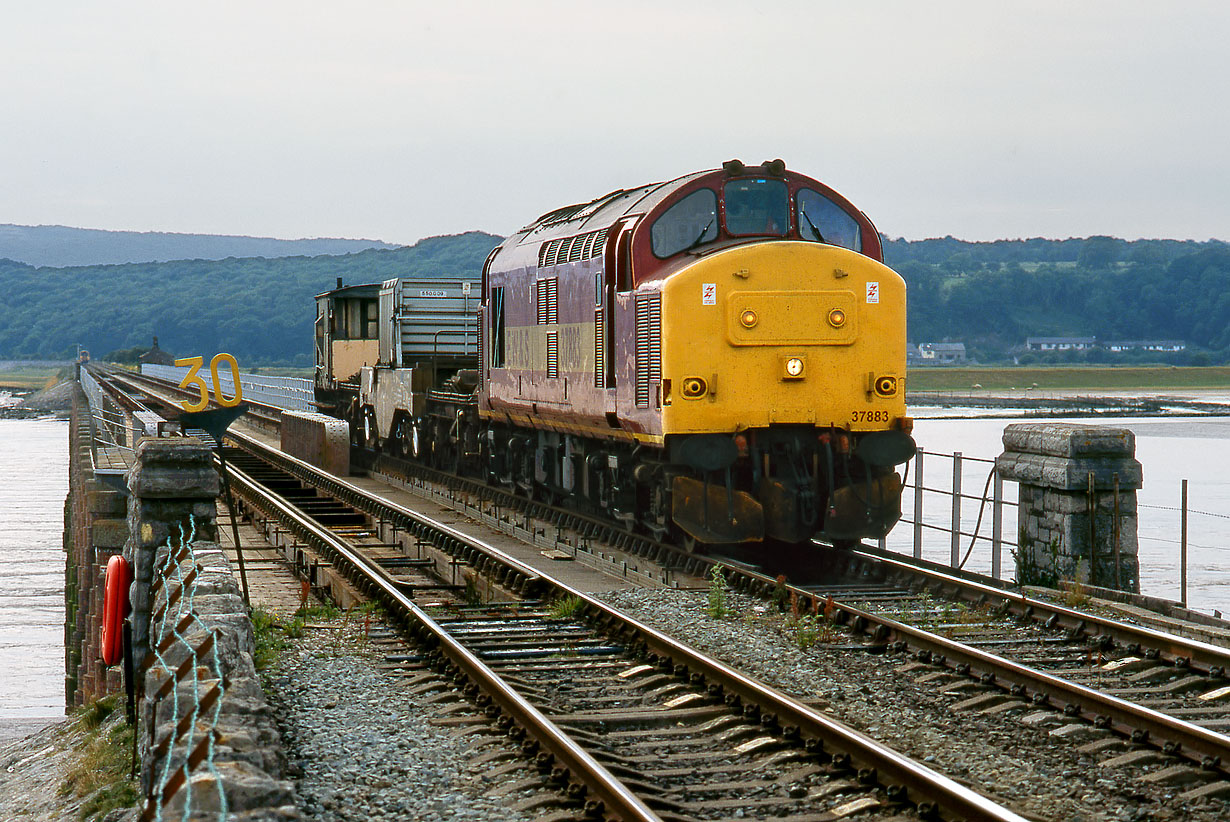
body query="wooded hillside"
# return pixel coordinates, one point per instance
(991, 296)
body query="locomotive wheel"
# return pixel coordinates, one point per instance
(397, 439)
(371, 440)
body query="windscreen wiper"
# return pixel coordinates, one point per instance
(819, 236)
(700, 238)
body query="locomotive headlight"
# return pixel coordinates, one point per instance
(693, 387)
(886, 386)
(837, 318)
(794, 368)
(748, 318)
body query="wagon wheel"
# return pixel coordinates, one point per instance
(371, 439)
(397, 439)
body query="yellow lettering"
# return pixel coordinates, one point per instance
(194, 379)
(218, 395)
(194, 364)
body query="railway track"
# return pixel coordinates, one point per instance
(601, 702)
(1151, 688)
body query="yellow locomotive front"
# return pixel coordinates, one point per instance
(782, 359)
(798, 350)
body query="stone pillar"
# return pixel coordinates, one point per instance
(1065, 531)
(173, 491)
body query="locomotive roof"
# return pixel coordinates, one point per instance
(593, 215)
(522, 248)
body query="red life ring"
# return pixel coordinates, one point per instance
(115, 608)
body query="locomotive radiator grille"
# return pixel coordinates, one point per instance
(546, 296)
(572, 249)
(599, 349)
(648, 345)
(553, 355)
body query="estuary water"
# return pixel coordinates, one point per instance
(33, 484)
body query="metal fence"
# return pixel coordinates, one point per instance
(948, 524)
(109, 424)
(289, 393)
(957, 511)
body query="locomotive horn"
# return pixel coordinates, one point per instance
(775, 167)
(733, 168)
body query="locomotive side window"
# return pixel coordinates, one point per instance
(822, 219)
(757, 207)
(686, 224)
(496, 310)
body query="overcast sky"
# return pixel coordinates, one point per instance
(400, 120)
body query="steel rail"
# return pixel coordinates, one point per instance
(1184, 652)
(873, 761)
(411, 521)
(1209, 749)
(616, 796)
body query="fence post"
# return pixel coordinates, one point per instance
(918, 504)
(1183, 550)
(956, 509)
(997, 525)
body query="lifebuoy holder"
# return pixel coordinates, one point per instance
(115, 608)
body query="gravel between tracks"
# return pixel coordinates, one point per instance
(360, 747)
(1027, 768)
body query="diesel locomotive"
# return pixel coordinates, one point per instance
(715, 359)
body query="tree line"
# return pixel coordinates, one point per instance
(1110, 289)
(991, 296)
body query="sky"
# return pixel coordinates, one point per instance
(401, 120)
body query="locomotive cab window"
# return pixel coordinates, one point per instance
(823, 220)
(687, 224)
(757, 207)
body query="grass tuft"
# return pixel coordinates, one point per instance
(100, 775)
(719, 593)
(566, 607)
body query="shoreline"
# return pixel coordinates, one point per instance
(1029, 402)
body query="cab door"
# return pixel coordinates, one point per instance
(617, 316)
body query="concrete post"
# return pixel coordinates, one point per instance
(173, 489)
(1065, 521)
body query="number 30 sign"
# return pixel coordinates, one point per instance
(194, 379)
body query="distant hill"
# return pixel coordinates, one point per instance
(259, 309)
(61, 246)
(991, 296)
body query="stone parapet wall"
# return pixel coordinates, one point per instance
(203, 704)
(1077, 497)
(94, 530)
(208, 742)
(173, 496)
